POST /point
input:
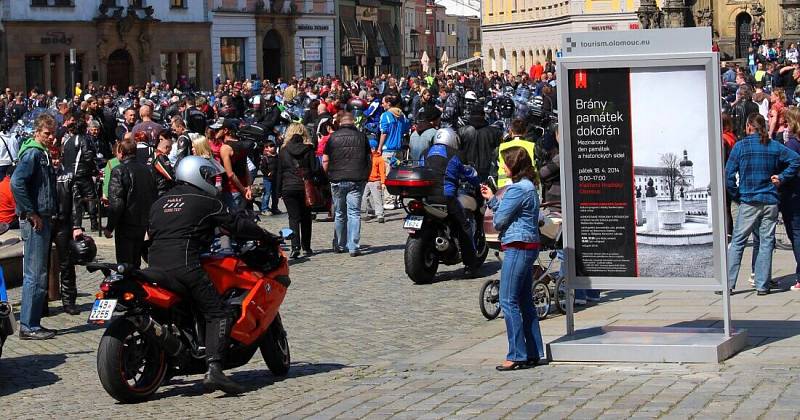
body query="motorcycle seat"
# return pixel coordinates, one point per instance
(469, 203)
(160, 278)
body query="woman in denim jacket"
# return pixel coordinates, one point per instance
(516, 218)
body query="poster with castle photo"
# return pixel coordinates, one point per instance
(671, 170)
(641, 173)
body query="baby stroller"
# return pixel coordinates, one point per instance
(549, 289)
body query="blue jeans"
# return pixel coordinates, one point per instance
(790, 211)
(232, 199)
(34, 273)
(347, 213)
(265, 197)
(579, 293)
(516, 299)
(753, 217)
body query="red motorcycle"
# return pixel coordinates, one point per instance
(157, 335)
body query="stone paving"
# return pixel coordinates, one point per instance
(366, 342)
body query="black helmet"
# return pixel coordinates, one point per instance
(82, 251)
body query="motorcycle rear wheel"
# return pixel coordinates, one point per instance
(489, 299)
(421, 260)
(275, 348)
(130, 366)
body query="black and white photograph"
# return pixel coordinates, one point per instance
(671, 172)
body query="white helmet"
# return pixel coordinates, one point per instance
(470, 96)
(200, 172)
(447, 137)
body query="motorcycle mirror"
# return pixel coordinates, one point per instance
(286, 234)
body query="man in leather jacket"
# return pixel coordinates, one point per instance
(65, 230)
(131, 191)
(182, 225)
(79, 159)
(451, 110)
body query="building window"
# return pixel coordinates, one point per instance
(164, 66)
(191, 61)
(177, 4)
(34, 73)
(232, 58)
(52, 3)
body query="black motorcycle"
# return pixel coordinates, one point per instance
(431, 232)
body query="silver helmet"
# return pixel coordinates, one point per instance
(447, 137)
(200, 172)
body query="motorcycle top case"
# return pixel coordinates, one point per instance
(411, 181)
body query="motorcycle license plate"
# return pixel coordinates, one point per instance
(413, 222)
(102, 309)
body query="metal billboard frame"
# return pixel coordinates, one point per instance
(709, 61)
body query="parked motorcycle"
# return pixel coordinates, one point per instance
(157, 334)
(431, 233)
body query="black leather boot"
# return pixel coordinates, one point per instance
(215, 379)
(217, 331)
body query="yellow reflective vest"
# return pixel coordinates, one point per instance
(530, 146)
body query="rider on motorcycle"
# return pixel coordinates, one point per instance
(444, 161)
(182, 224)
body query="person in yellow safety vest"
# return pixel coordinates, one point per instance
(518, 129)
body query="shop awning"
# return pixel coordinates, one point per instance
(352, 34)
(372, 38)
(387, 33)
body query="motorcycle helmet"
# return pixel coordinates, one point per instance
(356, 105)
(83, 250)
(470, 96)
(447, 137)
(200, 172)
(508, 91)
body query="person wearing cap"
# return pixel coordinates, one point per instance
(428, 119)
(233, 155)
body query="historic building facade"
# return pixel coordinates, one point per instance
(370, 37)
(518, 33)
(273, 38)
(733, 22)
(115, 42)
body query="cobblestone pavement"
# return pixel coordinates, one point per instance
(367, 343)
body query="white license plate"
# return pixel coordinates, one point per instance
(102, 309)
(413, 222)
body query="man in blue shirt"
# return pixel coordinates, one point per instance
(394, 126)
(762, 166)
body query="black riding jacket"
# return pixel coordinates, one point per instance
(182, 224)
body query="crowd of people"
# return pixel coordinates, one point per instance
(324, 148)
(761, 125)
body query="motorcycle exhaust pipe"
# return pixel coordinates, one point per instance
(6, 319)
(442, 244)
(169, 340)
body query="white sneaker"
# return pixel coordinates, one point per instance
(389, 207)
(796, 287)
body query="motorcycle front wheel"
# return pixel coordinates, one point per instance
(131, 367)
(421, 260)
(275, 348)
